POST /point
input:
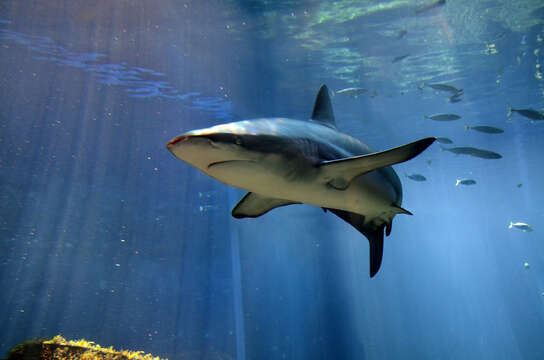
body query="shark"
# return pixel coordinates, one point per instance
(282, 161)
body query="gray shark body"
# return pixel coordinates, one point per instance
(286, 161)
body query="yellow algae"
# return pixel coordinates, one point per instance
(59, 348)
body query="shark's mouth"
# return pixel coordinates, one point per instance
(227, 162)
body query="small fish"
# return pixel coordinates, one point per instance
(401, 34)
(416, 177)
(446, 88)
(430, 6)
(528, 113)
(444, 140)
(501, 35)
(522, 226)
(519, 185)
(206, 195)
(443, 117)
(471, 151)
(207, 208)
(465, 182)
(399, 58)
(454, 98)
(485, 129)
(352, 91)
(429, 162)
(527, 265)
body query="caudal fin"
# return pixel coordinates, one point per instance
(375, 241)
(374, 234)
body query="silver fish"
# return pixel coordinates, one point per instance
(444, 140)
(521, 226)
(454, 98)
(399, 58)
(401, 34)
(416, 177)
(465, 182)
(485, 129)
(443, 117)
(528, 113)
(352, 91)
(471, 151)
(446, 88)
(430, 6)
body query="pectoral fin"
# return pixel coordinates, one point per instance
(254, 205)
(339, 173)
(374, 234)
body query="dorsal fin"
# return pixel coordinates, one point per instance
(323, 108)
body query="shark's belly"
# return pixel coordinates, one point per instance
(370, 194)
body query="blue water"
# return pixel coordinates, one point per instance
(104, 235)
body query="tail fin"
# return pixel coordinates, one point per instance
(467, 127)
(511, 225)
(375, 241)
(457, 182)
(374, 234)
(510, 109)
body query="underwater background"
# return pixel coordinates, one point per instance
(105, 235)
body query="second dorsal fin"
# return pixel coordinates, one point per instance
(323, 109)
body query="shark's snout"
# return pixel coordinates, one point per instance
(201, 149)
(189, 139)
(177, 140)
